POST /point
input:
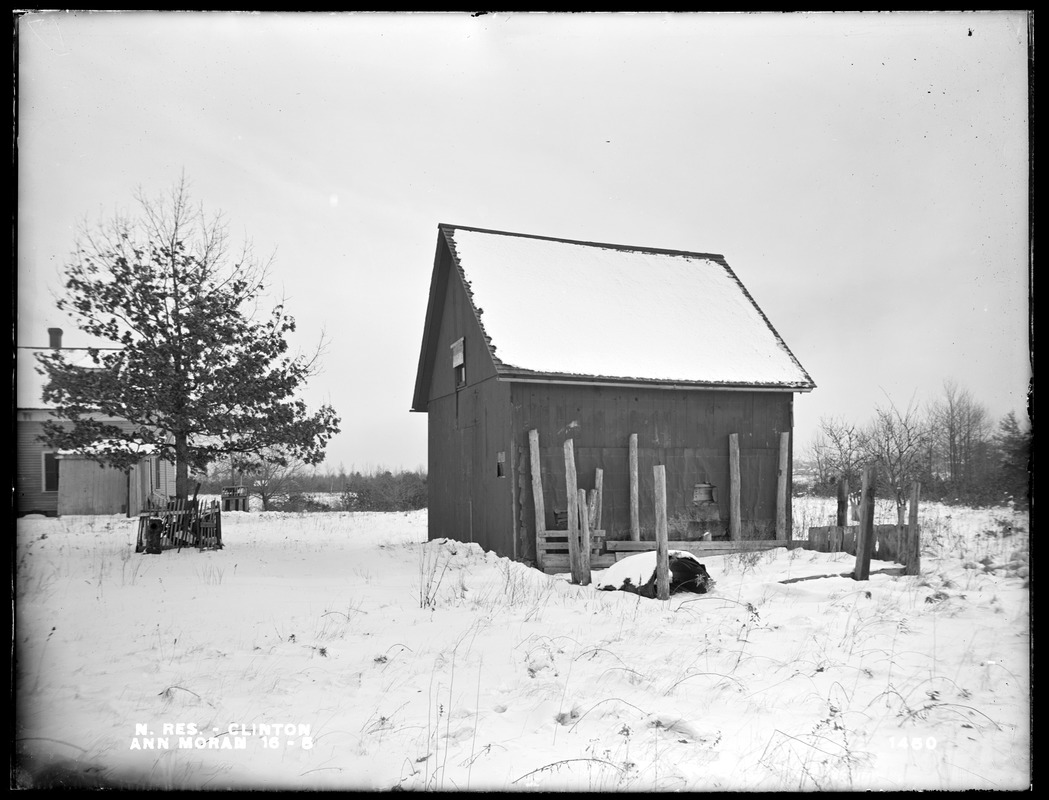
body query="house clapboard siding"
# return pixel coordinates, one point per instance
(29, 465)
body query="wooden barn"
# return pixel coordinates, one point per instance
(54, 482)
(660, 354)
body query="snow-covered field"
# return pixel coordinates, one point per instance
(380, 661)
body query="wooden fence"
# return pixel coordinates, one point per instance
(582, 545)
(890, 541)
(178, 524)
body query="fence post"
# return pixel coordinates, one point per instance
(662, 555)
(537, 483)
(635, 523)
(865, 540)
(596, 499)
(733, 487)
(573, 513)
(912, 549)
(843, 502)
(584, 541)
(781, 487)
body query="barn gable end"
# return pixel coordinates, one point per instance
(470, 494)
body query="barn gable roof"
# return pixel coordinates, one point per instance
(559, 309)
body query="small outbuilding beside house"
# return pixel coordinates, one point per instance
(531, 340)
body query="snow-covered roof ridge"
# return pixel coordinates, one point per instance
(448, 229)
(576, 309)
(478, 311)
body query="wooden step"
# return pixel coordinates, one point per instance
(556, 564)
(622, 549)
(552, 551)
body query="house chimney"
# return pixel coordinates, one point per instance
(56, 338)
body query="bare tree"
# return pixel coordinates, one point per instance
(945, 419)
(897, 441)
(962, 435)
(844, 448)
(273, 475)
(817, 454)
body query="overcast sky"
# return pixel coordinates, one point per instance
(865, 175)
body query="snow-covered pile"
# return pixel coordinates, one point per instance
(378, 660)
(637, 573)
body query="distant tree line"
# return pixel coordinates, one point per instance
(294, 487)
(952, 446)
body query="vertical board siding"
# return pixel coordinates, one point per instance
(685, 430)
(458, 321)
(467, 428)
(87, 488)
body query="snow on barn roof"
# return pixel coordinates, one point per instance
(562, 307)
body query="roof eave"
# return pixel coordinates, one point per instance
(531, 376)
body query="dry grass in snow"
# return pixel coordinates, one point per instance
(380, 661)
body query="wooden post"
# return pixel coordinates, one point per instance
(912, 549)
(662, 556)
(865, 542)
(782, 534)
(635, 524)
(584, 540)
(594, 506)
(733, 487)
(537, 483)
(843, 502)
(572, 491)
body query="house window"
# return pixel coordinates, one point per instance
(50, 472)
(458, 363)
(500, 464)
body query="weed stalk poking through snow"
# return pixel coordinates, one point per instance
(429, 579)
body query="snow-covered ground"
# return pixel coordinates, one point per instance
(379, 660)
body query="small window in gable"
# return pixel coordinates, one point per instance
(500, 464)
(458, 363)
